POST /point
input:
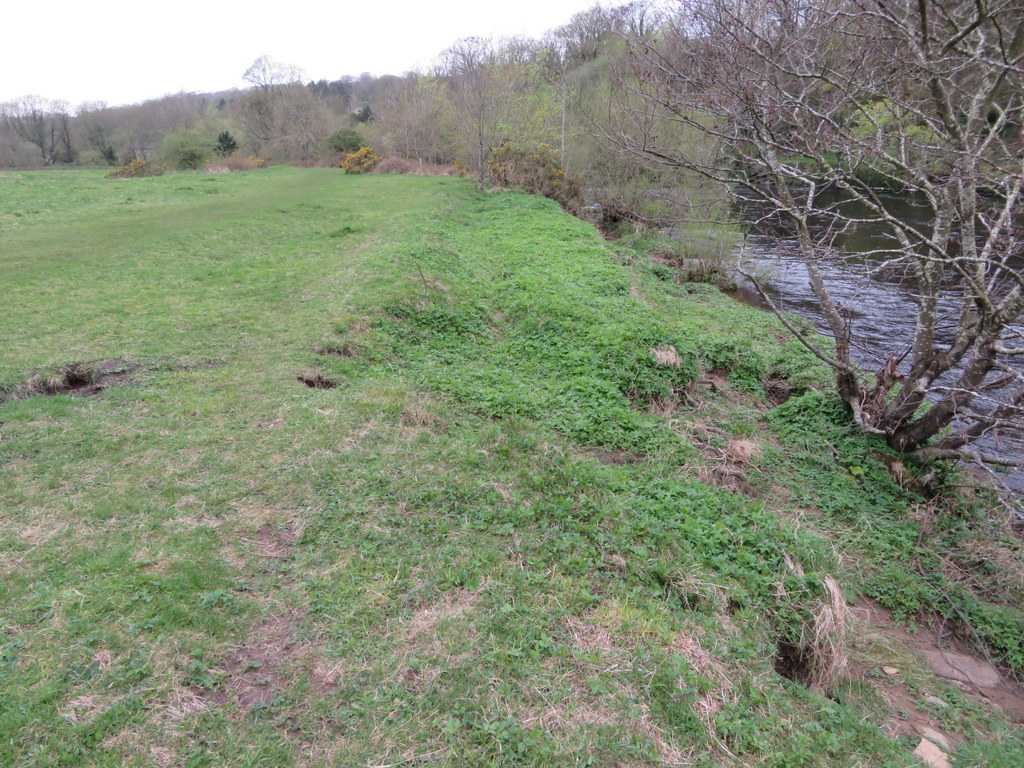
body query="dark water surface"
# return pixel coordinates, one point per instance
(881, 307)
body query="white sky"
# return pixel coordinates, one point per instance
(123, 52)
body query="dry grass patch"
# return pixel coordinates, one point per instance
(667, 356)
(425, 621)
(728, 466)
(669, 752)
(743, 451)
(416, 415)
(708, 666)
(992, 569)
(162, 756)
(589, 637)
(81, 709)
(41, 531)
(276, 540)
(344, 349)
(179, 704)
(400, 165)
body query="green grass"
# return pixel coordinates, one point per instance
(497, 540)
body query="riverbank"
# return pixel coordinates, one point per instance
(399, 470)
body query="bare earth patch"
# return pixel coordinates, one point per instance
(276, 540)
(76, 379)
(317, 381)
(950, 661)
(258, 672)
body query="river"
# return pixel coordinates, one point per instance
(881, 307)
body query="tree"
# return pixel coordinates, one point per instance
(261, 106)
(44, 123)
(95, 121)
(267, 74)
(345, 140)
(782, 100)
(416, 119)
(301, 121)
(477, 93)
(498, 97)
(226, 144)
(280, 111)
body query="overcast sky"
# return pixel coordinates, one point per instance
(123, 52)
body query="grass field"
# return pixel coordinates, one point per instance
(388, 471)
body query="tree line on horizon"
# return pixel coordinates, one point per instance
(514, 111)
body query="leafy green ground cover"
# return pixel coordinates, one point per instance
(537, 509)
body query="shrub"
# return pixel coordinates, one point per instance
(346, 140)
(362, 161)
(187, 150)
(136, 169)
(536, 169)
(90, 158)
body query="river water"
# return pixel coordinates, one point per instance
(881, 307)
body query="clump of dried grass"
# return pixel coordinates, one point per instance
(417, 416)
(828, 637)
(667, 356)
(340, 350)
(236, 162)
(708, 703)
(817, 657)
(48, 385)
(398, 165)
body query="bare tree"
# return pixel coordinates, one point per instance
(301, 121)
(780, 101)
(416, 118)
(490, 86)
(267, 74)
(470, 67)
(44, 123)
(269, 109)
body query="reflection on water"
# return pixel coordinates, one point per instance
(881, 308)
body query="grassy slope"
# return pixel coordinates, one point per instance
(490, 544)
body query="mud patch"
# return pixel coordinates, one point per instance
(317, 381)
(951, 660)
(258, 673)
(76, 379)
